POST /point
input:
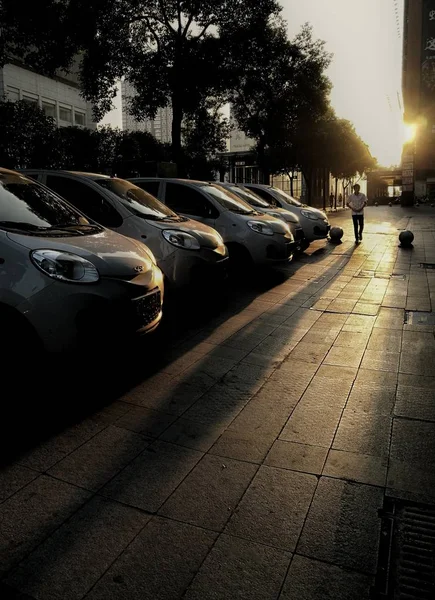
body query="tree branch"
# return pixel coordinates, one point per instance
(180, 25)
(165, 17)
(203, 32)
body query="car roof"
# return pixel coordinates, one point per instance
(179, 179)
(67, 172)
(8, 171)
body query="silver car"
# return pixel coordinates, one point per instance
(65, 281)
(266, 208)
(251, 237)
(314, 221)
(188, 252)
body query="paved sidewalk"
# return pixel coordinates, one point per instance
(253, 463)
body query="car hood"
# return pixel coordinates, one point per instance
(113, 254)
(207, 236)
(281, 213)
(277, 225)
(316, 211)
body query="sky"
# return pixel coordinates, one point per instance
(366, 71)
(366, 41)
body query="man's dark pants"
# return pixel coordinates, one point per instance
(358, 220)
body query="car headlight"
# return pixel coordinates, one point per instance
(180, 239)
(309, 215)
(260, 227)
(64, 266)
(278, 216)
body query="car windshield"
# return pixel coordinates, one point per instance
(227, 199)
(138, 201)
(287, 198)
(250, 197)
(26, 206)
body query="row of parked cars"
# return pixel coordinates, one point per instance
(84, 253)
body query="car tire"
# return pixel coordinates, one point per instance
(239, 257)
(305, 245)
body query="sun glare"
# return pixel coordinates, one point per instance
(409, 132)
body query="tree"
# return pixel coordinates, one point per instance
(170, 50)
(205, 134)
(283, 83)
(27, 137)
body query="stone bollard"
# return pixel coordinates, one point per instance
(335, 235)
(406, 238)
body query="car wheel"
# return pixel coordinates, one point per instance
(305, 245)
(239, 256)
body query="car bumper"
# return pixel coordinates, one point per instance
(67, 316)
(316, 230)
(273, 250)
(184, 268)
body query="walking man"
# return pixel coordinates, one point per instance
(356, 202)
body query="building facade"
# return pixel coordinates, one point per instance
(418, 162)
(58, 97)
(160, 127)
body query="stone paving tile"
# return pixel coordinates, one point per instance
(95, 463)
(219, 406)
(237, 568)
(145, 421)
(385, 340)
(417, 381)
(34, 512)
(152, 477)
(313, 353)
(420, 363)
(191, 435)
(344, 357)
(379, 360)
(348, 339)
(86, 545)
(13, 478)
(373, 378)
(410, 480)
(362, 468)
(343, 525)
(244, 445)
(312, 424)
(174, 397)
(49, 452)
(274, 507)
(415, 403)
(309, 579)
(364, 308)
(363, 433)
(297, 457)
(413, 441)
(390, 318)
(159, 564)
(210, 493)
(372, 399)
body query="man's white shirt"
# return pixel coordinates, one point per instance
(357, 203)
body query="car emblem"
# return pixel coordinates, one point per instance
(138, 269)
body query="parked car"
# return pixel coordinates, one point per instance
(64, 280)
(186, 251)
(266, 208)
(314, 221)
(251, 237)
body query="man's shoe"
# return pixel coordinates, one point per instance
(360, 237)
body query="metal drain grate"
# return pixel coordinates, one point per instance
(419, 318)
(406, 567)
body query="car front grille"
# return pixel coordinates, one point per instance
(148, 308)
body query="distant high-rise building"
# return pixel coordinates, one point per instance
(160, 127)
(418, 168)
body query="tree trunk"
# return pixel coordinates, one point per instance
(264, 168)
(336, 191)
(308, 176)
(177, 120)
(291, 186)
(325, 186)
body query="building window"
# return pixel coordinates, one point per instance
(30, 99)
(79, 118)
(49, 108)
(65, 114)
(12, 94)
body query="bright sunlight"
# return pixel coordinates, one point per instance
(409, 132)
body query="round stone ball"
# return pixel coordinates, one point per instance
(417, 204)
(406, 238)
(389, 204)
(432, 204)
(376, 203)
(335, 234)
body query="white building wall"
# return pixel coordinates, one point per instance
(57, 98)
